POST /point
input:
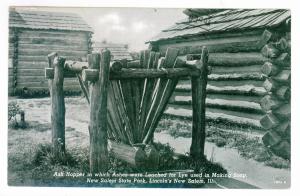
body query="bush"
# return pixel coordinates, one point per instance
(13, 110)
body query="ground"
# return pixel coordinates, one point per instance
(26, 147)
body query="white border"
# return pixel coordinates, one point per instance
(287, 4)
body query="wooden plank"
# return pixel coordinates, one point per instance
(30, 58)
(98, 117)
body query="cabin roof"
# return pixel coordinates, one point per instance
(118, 51)
(222, 21)
(29, 19)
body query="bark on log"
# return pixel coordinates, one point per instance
(57, 105)
(90, 75)
(269, 103)
(135, 156)
(115, 66)
(198, 105)
(269, 121)
(98, 116)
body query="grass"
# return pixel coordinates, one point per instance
(248, 146)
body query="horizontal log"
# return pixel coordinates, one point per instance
(217, 115)
(23, 78)
(283, 60)
(143, 73)
(75, 66)
(91, 75)
(269, 69)
(269, 121)
(283, 112)
(271, 138)
(54, 34)
(52, 41)
(234, 105)
(237, 76)
(32, 65)
(29, 58)
(283, 93)
(230, 90)
(135, 156)
(31, 72)
(236, 69)
(38, 52)
(236, 59)
(54, 46)
(224, 42)
(283, 76)
(116, 66)
(269, 103)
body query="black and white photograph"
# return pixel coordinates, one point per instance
(148, 97)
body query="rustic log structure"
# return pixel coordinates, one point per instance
(124, 113)
(35, 34)
(250, 65)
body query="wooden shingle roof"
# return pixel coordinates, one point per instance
(118, 51)
(226, 20)
(28, 19)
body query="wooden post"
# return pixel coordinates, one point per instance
(98, 114)
(198, 104)
(57, 104)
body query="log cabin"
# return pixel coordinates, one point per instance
(118, 51)
(249, 55)
(35, 34)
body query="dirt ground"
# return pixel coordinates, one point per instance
(38, 116)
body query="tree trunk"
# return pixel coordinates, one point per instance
(198, 104)
(98, 115)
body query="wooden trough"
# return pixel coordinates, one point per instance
(127, 100)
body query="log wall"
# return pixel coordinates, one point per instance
(238, 83)
(32, 50)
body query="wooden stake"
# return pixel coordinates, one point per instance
(98, 116)
(57, 105)
(198, 104)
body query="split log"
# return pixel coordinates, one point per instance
(198, 105)
(284, 76)
(269, 103)
(49, 73)
(270, 51)
(269, 121)
(271, 138)
(57, 104)
(283, 112)
(283, 93)
(98, 116)
(75, 66)
(236, 69)
(135, 156)
(269, 69)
